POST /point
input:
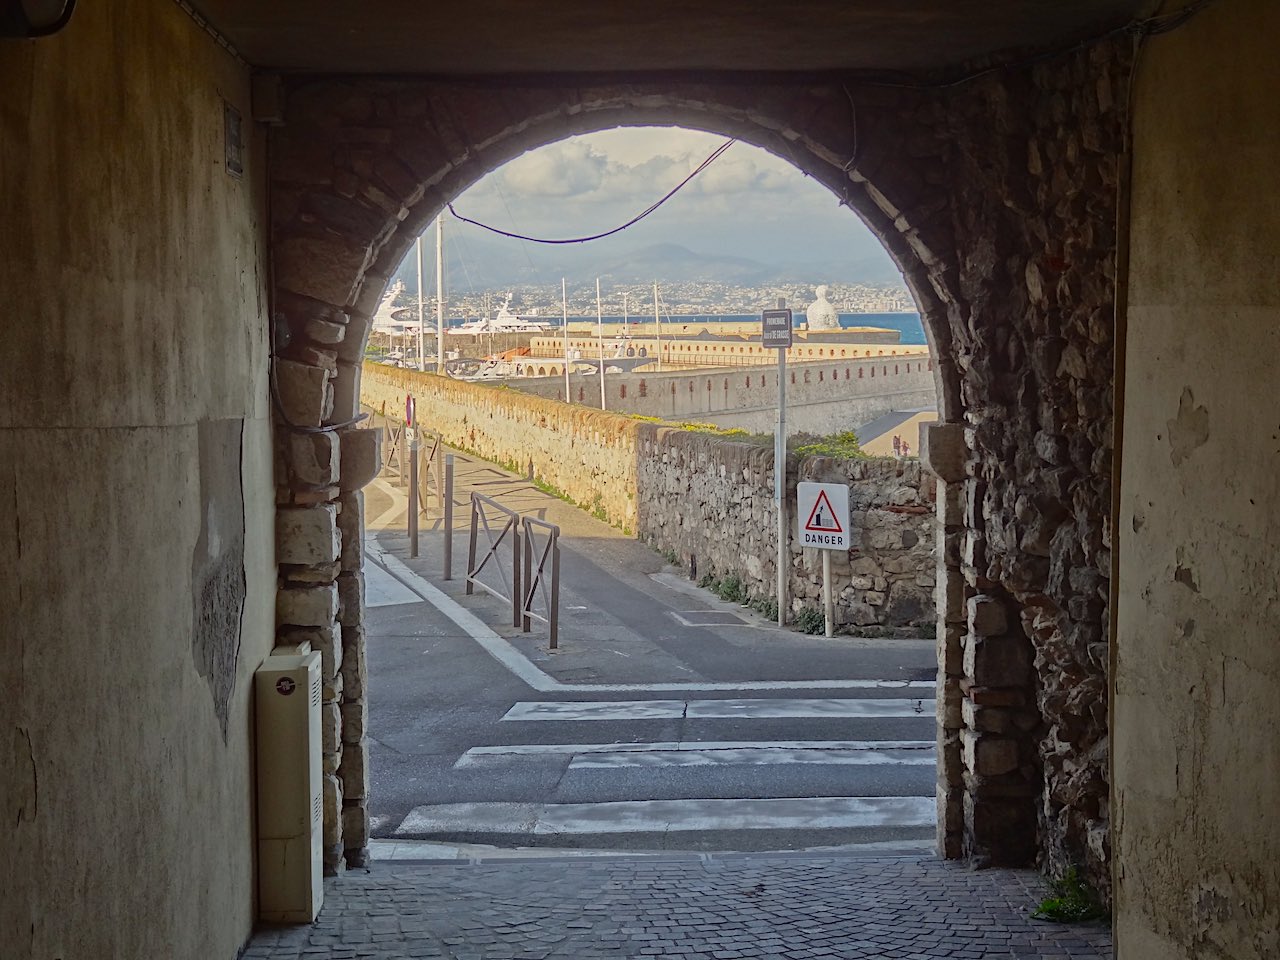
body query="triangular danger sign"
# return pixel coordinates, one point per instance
(822, 519)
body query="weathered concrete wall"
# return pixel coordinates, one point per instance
(1197, 669)
(822, 398)
(712, 498)
(137, 576)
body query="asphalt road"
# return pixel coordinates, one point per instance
(730, 736)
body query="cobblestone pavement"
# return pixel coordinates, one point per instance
(724, 908)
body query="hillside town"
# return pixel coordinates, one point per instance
(693, 297)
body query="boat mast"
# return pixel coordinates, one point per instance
(564, 312)
(600, 335)
(439, 294)
(657, 322)
(422, 307)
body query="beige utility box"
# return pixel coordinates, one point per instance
(290, 865)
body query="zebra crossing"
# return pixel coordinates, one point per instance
(615, 787)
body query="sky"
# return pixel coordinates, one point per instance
(748, 203)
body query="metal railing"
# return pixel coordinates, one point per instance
(392, 452)
(483, 511)
(539, 582)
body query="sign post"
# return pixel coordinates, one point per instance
(823, 512)
(775, 331)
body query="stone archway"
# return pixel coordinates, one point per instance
(997, 199)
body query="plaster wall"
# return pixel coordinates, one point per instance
(136, 559)
(1197, 671)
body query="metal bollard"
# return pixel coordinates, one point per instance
(439, 472)
(448, 516)
(413, 497)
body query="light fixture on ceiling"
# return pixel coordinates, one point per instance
(34, 18)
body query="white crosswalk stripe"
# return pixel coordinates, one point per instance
(587, 756)
(761, 708)
(665, 816)
(608, 769)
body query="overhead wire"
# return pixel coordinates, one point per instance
(715, 155)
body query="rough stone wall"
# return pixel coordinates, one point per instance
(322, 462)
(1034, 166)
(997, 199)
(711, 499)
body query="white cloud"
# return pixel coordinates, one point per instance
(567, 169)
(748, 202)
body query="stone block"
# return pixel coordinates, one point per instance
(355, 824)
(950, 762)
(949, 594)
(331, 689)
(351, 349)
(950, 809)
(987, 755)
(942, 450)
(323, 268)
(313, 458)
(351, 526)
(975, 492)
(354, 771)
(307, 535)
(949, 699)
(985, 719)
(351, 599)
(1000, 832)
(303, 391)
(949, 647)
(325, 331)
(361, 457)
(355, 669)
(997, 661)
(986, 616)
(326, 640)
(355, 721)
(330, 727)
(307, 606)
(331, 791)
(949, 503)
(346, 393)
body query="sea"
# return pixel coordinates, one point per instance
(907, 324)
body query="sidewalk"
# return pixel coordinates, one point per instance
(721, 908)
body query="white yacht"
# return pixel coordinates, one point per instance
(506, 321)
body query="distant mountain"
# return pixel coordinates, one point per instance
(473, 262)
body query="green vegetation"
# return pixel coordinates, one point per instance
(842, 446)
(767, 607)
(1072, 901)
(811, 620)
(731, 589)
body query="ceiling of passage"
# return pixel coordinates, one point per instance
(553, 36)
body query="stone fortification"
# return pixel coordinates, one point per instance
(693, 494)
(822, 398)
(588, 455)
